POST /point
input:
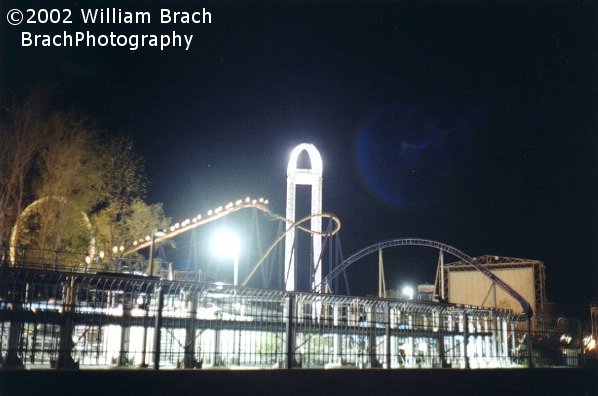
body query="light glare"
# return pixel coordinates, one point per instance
(226, 244)
(408, 292)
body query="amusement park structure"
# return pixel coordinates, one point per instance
(72, 318)
(312, 177)
(462, 284)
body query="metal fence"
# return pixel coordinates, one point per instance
(77, 320)
(58, 260)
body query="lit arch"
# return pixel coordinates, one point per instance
(312, 177)
(527, 309)
(29, 209)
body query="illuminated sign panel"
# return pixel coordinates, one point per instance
(474, 288)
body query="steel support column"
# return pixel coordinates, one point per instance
(530, 361)
(466, 338)
(290, 333)
(65, 359)
(158, 325)
(189, 360)
(125, 332)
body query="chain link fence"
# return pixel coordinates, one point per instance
(77, 320)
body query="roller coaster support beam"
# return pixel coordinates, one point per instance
(69, 293)
(158, 325)
(530, 361)
(189, 360)
(312, 177)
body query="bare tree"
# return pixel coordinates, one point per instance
(21, 137)
(76, 184)
(70, 167)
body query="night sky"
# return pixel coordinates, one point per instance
(471, 123)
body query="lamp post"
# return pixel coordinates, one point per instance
(226, 244)
(155, 234)
(146, 302)
(116, 260)
(118, 257)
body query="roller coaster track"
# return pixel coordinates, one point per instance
(30, 209)
(297, 224)
(527, 309)
(230, 208)
(261, 204)
(189, 224)
(212, 215)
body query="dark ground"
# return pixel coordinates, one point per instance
(560, 381)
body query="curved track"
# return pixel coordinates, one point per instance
(260, 204)
(230, 208)
(527, 309)
(187, 225)
(297, 224)
(29, 209)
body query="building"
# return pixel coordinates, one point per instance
(464, 284)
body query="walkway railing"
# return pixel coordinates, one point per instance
(58, 260)
(76, 320)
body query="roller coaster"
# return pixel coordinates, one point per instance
(261, 204)
(311, 176)
(113, 315)
(526, 307)
(189, 224)
(31, 209)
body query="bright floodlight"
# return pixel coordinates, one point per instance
(226, 244)
(408, 292)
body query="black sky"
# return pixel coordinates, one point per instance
(472, 123)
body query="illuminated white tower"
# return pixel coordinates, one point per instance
(313, 178)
